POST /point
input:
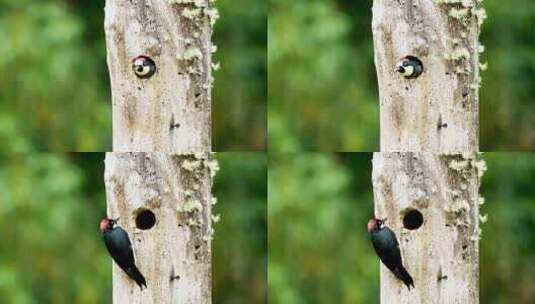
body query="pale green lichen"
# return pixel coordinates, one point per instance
(459, 165)
(194, 211)
(192, 53)
(192, 205)
(191, 13)
(197, 3)
(459, 13)
(212, 14)
(191, 165)
(458, 53)
(459, 205)
(463, 13)
(213, 166)
(464, 166)
(483, 218)
(480, 15)
(480, 165)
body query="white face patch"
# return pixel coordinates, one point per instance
(409, 69)
(140, 68)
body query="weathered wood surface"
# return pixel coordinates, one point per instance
(441, 255)
(438, 111)
(170, 111)
(175, 254)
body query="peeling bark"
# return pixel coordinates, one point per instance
(438, 111)
(171, 110)
(442, 254)
(175, 254)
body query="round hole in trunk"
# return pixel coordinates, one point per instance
(413, 219)
(145, 219)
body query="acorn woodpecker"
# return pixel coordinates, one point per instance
(120, 249)
(410, 67)
(387, 248)
(143, 66)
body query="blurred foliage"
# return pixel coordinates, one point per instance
(323, 88)
(507, 254)
(54, 84)
(240, 244)
(52, 252)
(319, 251)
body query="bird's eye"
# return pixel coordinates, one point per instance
(143, 67)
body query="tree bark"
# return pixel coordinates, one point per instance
(442, 254)
(175, 254)
(438, 111)
(171, 110)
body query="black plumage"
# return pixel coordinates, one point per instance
(386, 246)
(120, 248)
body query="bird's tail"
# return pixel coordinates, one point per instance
(137, 276)
(402, 274)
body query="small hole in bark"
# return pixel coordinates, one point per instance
(413, 219)
(145, 219)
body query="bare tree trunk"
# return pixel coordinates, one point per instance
(175, 253)
(442, 253)
(170, 110)
(437, 111)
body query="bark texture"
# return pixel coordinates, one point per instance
(442, 254)
(175, 254)
(438, 111)
(170, 111)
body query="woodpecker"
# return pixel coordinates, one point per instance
(386, 246)
(410, 67)
(120, 249)
(143, 66)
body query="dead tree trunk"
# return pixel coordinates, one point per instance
(162, 101)
(431, 202)
(164, 203)
(438, 110)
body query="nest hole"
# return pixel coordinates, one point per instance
(413, 219)
(145, 219)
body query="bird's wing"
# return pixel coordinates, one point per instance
(391, 257)
(118, 244)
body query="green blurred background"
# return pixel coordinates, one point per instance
(319, 251)
(52, 251)
(54, 85)
(322, 80)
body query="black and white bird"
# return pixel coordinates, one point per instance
(386, 246)
(410, 67)
(120, 248)
(143, 66)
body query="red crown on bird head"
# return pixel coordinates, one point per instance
(107, 223)
(374, 223)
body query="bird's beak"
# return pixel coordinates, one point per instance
(399, 69)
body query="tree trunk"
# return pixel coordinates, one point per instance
(169, 111)
(437, 111)
(174, 254)
(442, 254)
